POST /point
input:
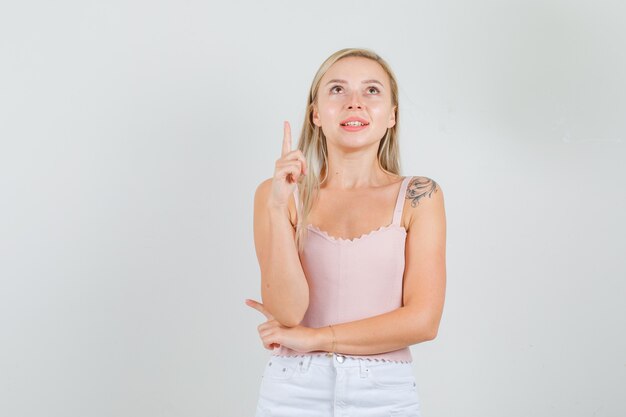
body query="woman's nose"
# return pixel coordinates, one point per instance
(354, 102)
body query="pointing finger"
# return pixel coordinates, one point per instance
(286, 138)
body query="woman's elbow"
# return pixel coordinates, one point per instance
(289, 316)
(432, 335)
(289, 319)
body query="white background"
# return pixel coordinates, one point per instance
(134, 134)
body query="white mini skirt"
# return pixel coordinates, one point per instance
(318, 385)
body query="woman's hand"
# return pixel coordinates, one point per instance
(289, 167)
(273, 334)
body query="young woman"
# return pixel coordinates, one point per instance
(352, 254)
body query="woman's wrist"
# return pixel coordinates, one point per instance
(325, 339)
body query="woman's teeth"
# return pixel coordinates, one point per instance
(353, 124)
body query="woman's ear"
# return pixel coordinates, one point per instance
(392, 117)
(316, 117)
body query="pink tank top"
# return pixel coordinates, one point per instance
(352, 279)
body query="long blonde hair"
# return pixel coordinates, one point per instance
(312, 141)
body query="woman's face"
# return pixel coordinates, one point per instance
(354, 88)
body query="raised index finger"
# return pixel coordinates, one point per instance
(286, 139)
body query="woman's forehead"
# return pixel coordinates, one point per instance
(356, 69)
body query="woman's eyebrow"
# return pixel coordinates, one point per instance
(362, 82)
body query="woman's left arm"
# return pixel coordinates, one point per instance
(422, 296)
(423, 290)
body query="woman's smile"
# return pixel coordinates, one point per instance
(356, 127)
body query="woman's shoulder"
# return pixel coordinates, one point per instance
(422, 183)
(422, 187)
(262, 194)
(263, 190)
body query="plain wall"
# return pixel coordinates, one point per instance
(134, 134)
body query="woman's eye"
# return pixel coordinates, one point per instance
(369, 89)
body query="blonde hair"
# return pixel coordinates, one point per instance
(312, 141)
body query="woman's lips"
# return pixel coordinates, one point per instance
(353, 128)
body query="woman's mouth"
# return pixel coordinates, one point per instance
(354, 126)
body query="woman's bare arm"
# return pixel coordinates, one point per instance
(284, 289)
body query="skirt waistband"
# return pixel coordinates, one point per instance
(336, 360)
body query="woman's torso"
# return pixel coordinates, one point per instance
(353, 261)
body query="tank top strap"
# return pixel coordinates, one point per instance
(397, 214)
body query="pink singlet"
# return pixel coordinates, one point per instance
(352, 279)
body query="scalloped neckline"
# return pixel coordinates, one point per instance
(325, 234)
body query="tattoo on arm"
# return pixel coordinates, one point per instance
(418, 188)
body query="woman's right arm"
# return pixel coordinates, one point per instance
(284, 289)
